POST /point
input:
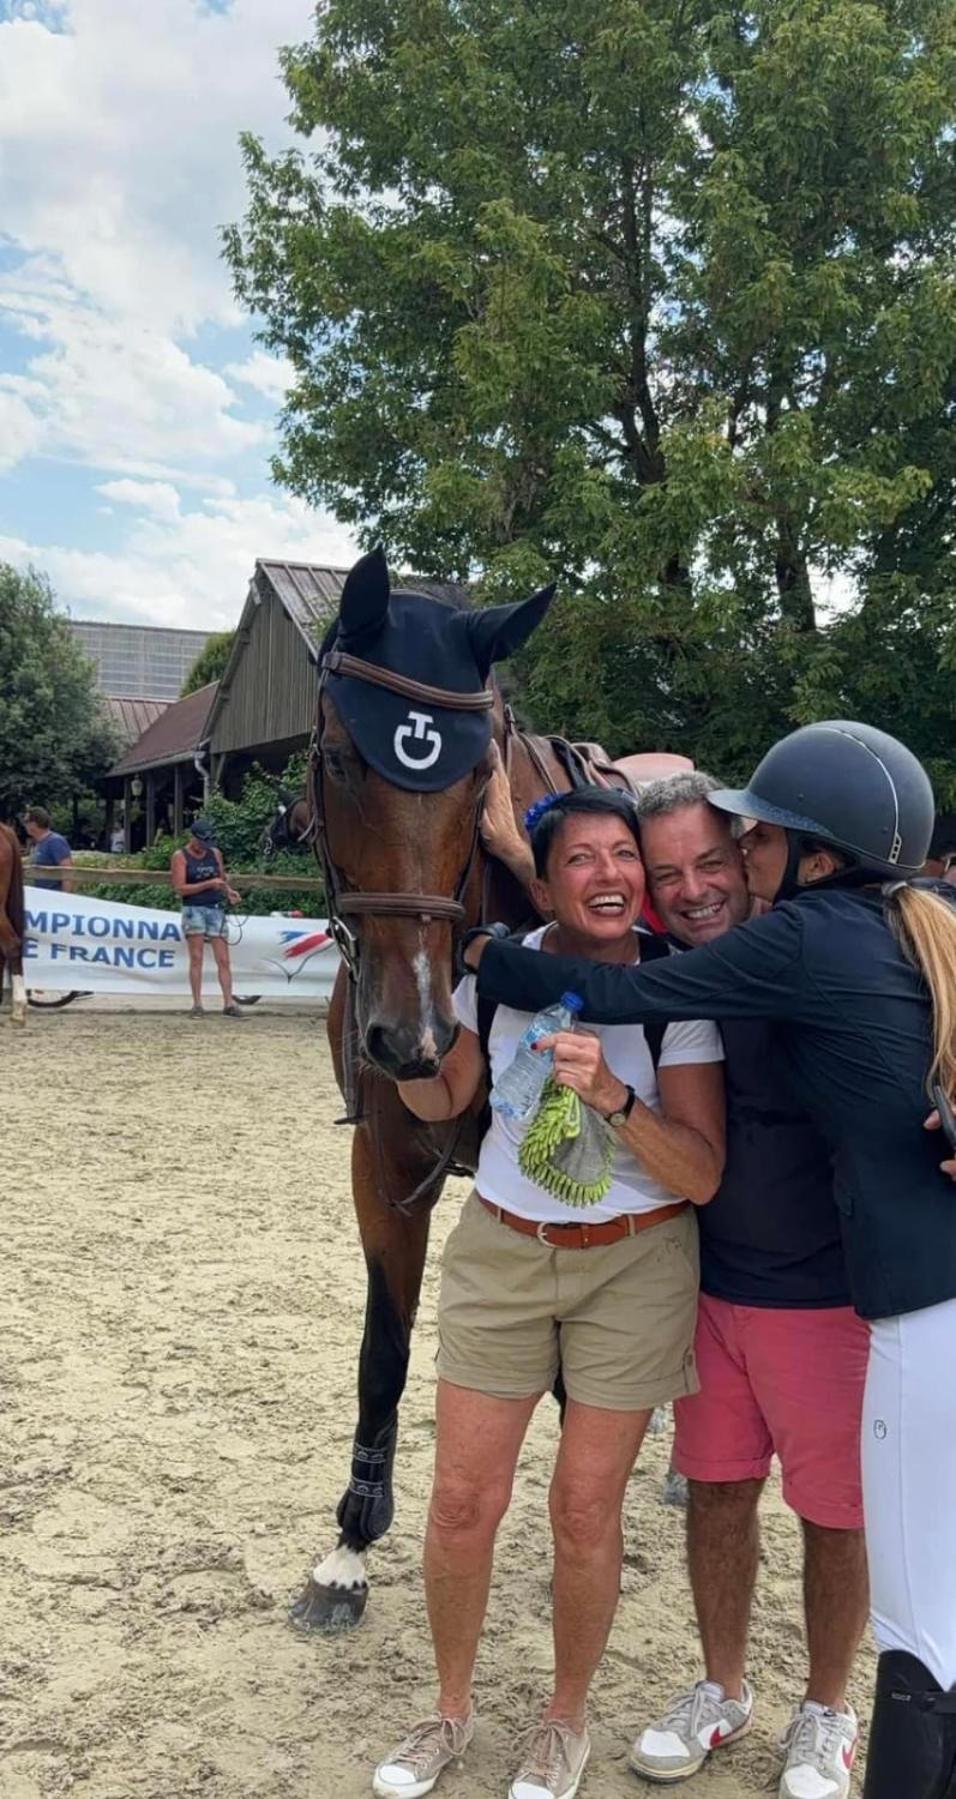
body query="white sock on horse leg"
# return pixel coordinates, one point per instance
(343, 1568)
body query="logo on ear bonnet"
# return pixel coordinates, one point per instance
(418, 730)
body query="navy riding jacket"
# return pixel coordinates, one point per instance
(855, 1028)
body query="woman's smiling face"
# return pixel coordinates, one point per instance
(594, 886)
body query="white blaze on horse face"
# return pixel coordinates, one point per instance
(343, 1568)
(423, 977)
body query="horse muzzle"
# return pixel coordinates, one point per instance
(406, 1052)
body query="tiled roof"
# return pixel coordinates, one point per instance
(130, 718)
(173, 737)
(311, 593)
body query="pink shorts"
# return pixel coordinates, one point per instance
(783, 1382)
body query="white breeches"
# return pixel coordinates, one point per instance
(909, 1485)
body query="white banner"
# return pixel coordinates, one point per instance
(102, 946)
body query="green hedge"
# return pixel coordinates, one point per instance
(239, 829)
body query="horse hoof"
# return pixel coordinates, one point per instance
(327, 1611)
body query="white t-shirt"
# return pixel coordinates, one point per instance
(632, 1189)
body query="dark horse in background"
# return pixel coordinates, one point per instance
(407, 715)
(12, 920)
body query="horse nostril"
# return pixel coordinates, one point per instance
(377, 1046)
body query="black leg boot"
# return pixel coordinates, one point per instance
(912, 1749)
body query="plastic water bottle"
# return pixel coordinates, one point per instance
(517, 1093)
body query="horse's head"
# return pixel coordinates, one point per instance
(289, 826)
(405, 725)
(276, 833)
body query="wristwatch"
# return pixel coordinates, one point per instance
(623, 1113)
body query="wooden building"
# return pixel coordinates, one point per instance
(163, 776)
(264, 710)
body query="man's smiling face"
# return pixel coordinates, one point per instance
(696, 873)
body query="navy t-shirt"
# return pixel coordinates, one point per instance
(771, 1234)
(49, 852)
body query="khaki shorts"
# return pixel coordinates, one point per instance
(618, 1320)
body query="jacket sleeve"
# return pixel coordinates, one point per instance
(755, 971)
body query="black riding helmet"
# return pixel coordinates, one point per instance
(843, 784)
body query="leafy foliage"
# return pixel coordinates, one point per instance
(655, 294)
(210, 664)
(54, 737)
(240, 825)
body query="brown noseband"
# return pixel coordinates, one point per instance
(342, 903)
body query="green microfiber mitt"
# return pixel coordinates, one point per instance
(567, 1148)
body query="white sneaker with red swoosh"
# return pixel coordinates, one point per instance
(820, 1747)
(693, 1726)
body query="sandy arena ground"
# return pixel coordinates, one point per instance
(181, 1294)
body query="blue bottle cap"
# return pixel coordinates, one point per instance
(573, 1001)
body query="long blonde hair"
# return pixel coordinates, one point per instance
(925, 927)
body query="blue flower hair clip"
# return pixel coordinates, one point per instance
(538, 810)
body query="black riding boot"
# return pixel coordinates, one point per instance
(912, 1749)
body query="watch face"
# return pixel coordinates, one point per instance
(623, 1113)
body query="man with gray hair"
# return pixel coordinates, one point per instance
(781, 1358)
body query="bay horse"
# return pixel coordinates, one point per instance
(12, 920)
(406, 716)
(290, 826)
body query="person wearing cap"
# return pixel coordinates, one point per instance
(199, 878)
(857, 963)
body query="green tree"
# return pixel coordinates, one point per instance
(657, 295)
(55, 740)
(210, 664)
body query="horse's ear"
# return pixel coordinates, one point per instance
(498, 631)
(364, 601)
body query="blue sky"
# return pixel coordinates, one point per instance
(137, 414)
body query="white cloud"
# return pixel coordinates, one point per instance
(20, 429)
(158, 498)
(118, 164)
(188, 569)
(268, 375)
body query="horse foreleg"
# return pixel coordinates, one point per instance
(394, 1244)
(11, 953)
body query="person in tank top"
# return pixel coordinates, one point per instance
(199, 877)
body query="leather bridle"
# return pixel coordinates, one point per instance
(342, 902)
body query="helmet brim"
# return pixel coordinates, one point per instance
(744, 803)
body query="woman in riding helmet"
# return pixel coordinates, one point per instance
(858, 966)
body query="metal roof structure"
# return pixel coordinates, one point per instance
(173, 737)
(273, 699)
(311, 593)
(130, 718)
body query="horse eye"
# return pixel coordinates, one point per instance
(335, 765)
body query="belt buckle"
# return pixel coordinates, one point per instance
(541, 1236)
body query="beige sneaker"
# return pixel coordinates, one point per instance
(555, 1759)
(422, 1757)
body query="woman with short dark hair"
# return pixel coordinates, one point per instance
(545, 1278)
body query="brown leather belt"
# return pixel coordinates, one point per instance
(584, 1236)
